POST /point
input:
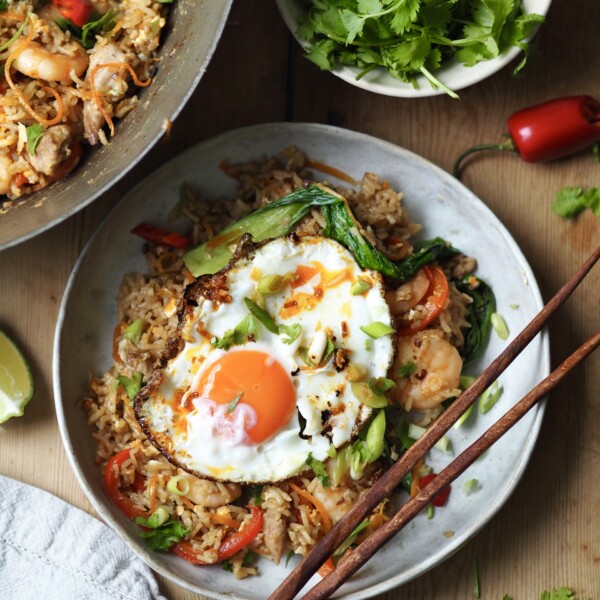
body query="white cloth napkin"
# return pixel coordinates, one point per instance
(52, 550)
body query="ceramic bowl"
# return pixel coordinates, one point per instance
(192, 34)
(88, 315)
(452, 74)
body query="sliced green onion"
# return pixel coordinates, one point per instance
(406, 370)
(367, 396)
(430, 511)
(234, 402)
(160, 516)
(134, 331)
(380, 385)
(499, 325)
(360, 286)
(262, 315)
(416, 431)
(463, 418)
(514, 306)
(375, 436)
(270, 284)
(132, 386)
(377, 329)
(331, 451)
(475, 574)
(303, 352)
(179, 485)
(329, 350)
(490, 397)
(470, 486)
(466, 381)
(292, 331)
(355, 373)
(368, 344)
(351, 538)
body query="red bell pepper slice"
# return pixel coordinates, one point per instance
(441, 497)
(230, 545)
(436, 297)
(160, 236)
(111, 483)
(77, 11)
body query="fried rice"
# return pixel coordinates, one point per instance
(296, 512)
(61, 84)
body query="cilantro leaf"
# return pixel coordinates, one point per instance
(97, 25)
(319, 469)
(34, 135)
(570, 201)
(166, 535)
(132, 386)
(244, 330)
(563, 593)
(3, 5)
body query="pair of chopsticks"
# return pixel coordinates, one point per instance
(390, 480)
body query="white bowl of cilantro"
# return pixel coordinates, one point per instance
(414, 48)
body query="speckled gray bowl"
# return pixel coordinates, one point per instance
(445, 207)
(193, 31)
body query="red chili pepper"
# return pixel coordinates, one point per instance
(436, 296)
(77, 11)
(160, 236)
(547, 131)
(230, 545)
(441, 497)
(111, 483)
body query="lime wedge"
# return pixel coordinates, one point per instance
(16, 382)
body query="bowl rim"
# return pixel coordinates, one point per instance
(424, 89)
(458, 540)
(96, 193)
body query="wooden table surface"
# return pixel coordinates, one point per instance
(548, 533)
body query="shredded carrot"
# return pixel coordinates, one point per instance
(313, 164)
(17, 49)
(96, 95)
(224, 520)
(12, 15)
(415, 488)
(188, 503)
(326, 568)
(152, 486)
(316, 503)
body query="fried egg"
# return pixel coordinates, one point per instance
(244, 397)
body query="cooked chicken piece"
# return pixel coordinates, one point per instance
(274, 528)
(53, 148)
(110, 84)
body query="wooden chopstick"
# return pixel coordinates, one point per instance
(389, 481)
(360, 555)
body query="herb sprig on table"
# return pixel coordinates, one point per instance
(413, 37)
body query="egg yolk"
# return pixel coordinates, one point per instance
(263, 384)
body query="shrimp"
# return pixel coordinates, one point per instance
(5, 164)
(408, 295)
(336, 501)
(33, 60)
(212, 494)
(437, 373)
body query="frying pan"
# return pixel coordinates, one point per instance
(193, 29)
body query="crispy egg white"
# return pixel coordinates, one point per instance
(254, 411)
